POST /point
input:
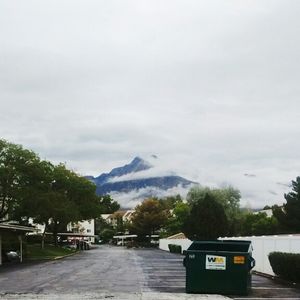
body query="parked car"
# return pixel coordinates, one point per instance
(10, 256)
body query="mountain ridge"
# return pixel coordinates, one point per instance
(121, 180)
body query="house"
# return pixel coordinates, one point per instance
(86, 228)
(113, 219)
(83, 229)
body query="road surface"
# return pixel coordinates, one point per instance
(107, 272)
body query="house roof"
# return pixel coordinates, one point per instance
(119, 213)
(72, 234)
(13, 227)
(177, 236)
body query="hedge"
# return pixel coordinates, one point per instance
(37, 239)
(174, 248)
(286, 265)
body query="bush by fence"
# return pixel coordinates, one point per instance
(286, 265)
(174, 248)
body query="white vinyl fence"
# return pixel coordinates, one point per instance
(262, 246)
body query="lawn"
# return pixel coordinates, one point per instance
(34, 251)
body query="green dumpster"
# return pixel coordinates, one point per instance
(219, 267)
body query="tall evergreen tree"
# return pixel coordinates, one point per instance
(289, 215)
(207, 219)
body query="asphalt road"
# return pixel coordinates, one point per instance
(114, 272)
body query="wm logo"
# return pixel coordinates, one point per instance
(215, 259)
(214, 262)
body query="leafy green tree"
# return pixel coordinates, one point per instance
(178, 217)
(107, 204)
(228, 197)
(101, 224)
(258, 224)
(73, 199)
(61, 198)
(107, 234)
(50, 195)
(148, 218)
(19, 169)
(170, 202)
(207, 219)
(289, 216)
(55, 206)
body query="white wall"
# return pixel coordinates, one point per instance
(262, 246)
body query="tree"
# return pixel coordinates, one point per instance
(55, 204)
(19, 169)
(170, 202)
(149, 217)
(50, 195)
(228, 197)
(206, 220)
(106, 234)
(175, 223)
(258, 224)
(107, 204)
(73, 199)
(289, 215)
(62, 197)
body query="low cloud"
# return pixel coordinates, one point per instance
(135, 197)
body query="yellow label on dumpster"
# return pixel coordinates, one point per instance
(239, 260)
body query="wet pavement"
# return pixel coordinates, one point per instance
(117, 273)
(165, 273)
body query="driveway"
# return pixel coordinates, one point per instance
(111, 273)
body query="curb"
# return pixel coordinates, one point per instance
(63, 256)
(278, 279)
(51, 258)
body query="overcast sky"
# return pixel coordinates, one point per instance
(210, 87)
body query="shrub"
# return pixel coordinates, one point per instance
(286, 265)
(37, 239)
(175, 248)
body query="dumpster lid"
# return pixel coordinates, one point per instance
(222, 245)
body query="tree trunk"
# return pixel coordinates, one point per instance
(43, 236)
(55, 233)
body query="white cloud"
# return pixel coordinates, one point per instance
(135, 197)
(157, 169)
(211, 87)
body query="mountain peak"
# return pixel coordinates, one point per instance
(131, 181)
(141, 163)
(136, 165)
(137, 159)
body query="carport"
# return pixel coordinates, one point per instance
(16, 230)
(125, 237)
(77, 236)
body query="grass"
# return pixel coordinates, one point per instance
(35, 252)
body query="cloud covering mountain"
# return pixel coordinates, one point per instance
(139, 179)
